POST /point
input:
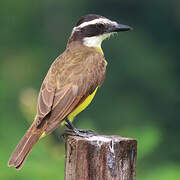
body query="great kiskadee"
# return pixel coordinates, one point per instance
(71, 82)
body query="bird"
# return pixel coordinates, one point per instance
(71, 82)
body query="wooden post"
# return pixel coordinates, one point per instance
(100, 158)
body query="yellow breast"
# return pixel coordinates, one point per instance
(99, 49)
(82, 106)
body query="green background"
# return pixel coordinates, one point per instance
(140, 97)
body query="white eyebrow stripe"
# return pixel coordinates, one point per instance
(95, 21)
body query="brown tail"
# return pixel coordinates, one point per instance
(25, 145)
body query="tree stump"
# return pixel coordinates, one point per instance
(100, 157)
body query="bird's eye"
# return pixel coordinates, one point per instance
(100, 26)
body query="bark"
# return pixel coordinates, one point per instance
(100, 158)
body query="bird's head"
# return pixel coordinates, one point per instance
(92, 29)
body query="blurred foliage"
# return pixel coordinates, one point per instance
(140, 97)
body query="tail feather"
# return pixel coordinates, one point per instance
(25, 145)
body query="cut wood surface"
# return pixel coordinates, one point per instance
(100, 157)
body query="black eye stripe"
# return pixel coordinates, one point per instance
(89, 31)
(93, 30)
(100, 26)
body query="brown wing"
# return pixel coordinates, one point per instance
(65, 104)
(66, 85)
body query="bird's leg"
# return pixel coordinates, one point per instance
(69, 124)
(76, 132)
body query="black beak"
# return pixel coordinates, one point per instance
(119, 27)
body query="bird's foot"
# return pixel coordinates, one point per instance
(79, 132)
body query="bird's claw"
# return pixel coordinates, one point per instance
(79, 132)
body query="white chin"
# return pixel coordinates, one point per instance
(95, 41)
